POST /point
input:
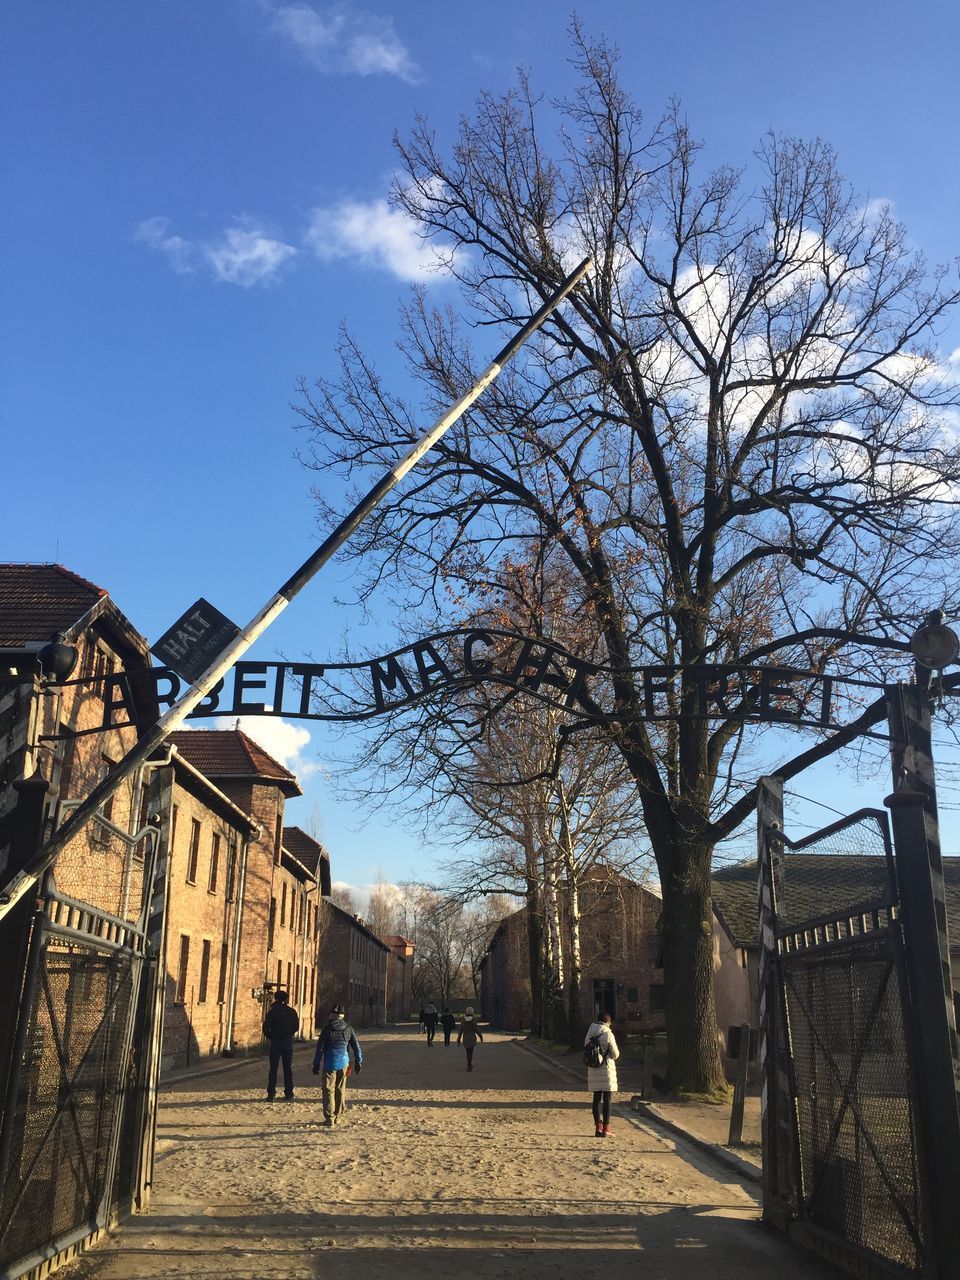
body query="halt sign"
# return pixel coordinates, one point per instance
(195, 640)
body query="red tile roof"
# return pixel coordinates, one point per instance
(229, 753)
(37, 600)
(304, 848)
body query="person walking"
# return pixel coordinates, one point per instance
(430, 1016)
(421, 1027)
(337, 1040)
(448, 1022)
(468, 1035)
(600, 1045)
(280, 1026)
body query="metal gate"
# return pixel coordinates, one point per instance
(76, 1137)
(842, 996)
(858, 1043)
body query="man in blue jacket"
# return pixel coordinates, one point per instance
(336, 1041)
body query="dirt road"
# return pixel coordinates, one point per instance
(434, 1173)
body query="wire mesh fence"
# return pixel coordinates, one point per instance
(59, 1131)
(843, 987)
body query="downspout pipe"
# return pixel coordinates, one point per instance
(237, 938)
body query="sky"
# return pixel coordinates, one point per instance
(196, 202)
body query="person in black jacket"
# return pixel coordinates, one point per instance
(448, 1022)
(280, 1026)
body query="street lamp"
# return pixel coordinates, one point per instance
(935, 645)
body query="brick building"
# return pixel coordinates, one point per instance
(619, 952)
(273, 924)
(209, 845)
(245, 892)
(353, 968)
(39, 603)
(399, 978)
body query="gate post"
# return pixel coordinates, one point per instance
(775, 1120)
(913, 812)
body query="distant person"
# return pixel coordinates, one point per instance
(430, 1016)
(600, 1047)
(468, 1035)
(280, 1026)
(422, 1026)
(337, 1040)
(448, 1022)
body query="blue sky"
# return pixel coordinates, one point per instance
(195, 202)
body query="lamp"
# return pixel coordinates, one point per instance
(935, 645)
(58, 659)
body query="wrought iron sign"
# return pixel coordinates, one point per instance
(461, 659)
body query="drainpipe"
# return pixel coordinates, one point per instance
(237, 936)
(303, 952)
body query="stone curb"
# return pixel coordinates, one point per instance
(745, 1168)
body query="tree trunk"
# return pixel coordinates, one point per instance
(693, 1049)
(534, 956)
(575, 1027)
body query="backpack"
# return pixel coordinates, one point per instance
(593, 1055)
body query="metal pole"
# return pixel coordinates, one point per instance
(774, 1095)
(175, 715)
(931, 1022)
(735, 1135)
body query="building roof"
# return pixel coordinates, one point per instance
(356, 923)
(229, 753)
(310, 854)
(307, 851)
(38, 600)
(814, 885)
(189, 777)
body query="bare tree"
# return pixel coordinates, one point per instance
(738, 436)
(381, 916)
(344, 899)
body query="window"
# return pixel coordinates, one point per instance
(204, 972)
(278, 839)
(214, 864)
(289, 973)
(279, 974)
(173, 825)
(106, 764)
(231, 870)
(296, 986)
(222, 984)
(194, 856)
(272, 924)
(182, 965)
(283, 906)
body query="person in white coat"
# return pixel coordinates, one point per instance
(602, 1080)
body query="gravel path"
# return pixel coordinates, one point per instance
(434, 1173)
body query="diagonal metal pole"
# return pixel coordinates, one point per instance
(25, 880)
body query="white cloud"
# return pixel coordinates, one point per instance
(284, 741)
(374, 235)
(181, 254)
(243, 254)
(345, 40)
(246, 256)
